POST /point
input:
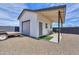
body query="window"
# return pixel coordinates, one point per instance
(46, 25)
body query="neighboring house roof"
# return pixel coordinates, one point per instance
(44, 9)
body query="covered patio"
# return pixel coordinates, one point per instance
(54, 14)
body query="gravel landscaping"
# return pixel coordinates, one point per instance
(30, 46)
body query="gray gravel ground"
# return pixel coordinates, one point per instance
(29, 46)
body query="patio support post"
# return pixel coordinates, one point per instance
(59, 26)
(61, 23)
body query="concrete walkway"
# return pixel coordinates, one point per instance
(55, 37)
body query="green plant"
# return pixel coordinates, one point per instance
(46, 37)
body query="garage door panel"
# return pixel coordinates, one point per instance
(26, 27)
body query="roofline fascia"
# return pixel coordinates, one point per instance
(43, 9)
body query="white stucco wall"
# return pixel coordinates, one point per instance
(33, 22)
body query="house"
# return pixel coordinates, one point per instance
(36, 23)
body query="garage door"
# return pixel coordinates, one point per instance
(26, 27)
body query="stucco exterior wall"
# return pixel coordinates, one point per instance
(33, 22)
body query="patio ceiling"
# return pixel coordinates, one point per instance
(53, 14)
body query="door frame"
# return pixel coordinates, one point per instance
(22, 26)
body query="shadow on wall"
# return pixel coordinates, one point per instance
(68, 30)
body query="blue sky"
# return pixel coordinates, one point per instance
(10, 12)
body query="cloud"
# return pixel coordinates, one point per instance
(72, 10)
(72, 14)
(56, 4)
(9, 13)
(4, 22)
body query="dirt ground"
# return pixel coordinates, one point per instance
(29, 46)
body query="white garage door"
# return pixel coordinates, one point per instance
(26, 28)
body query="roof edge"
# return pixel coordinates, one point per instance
(42, 9)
